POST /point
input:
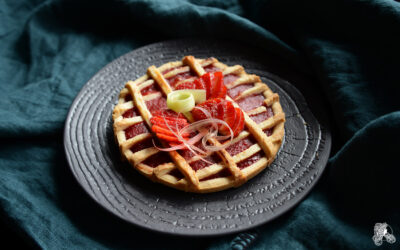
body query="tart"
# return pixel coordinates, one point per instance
(247, 138)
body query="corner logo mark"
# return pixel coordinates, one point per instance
(381, 234)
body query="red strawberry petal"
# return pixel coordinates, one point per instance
(200, 84)
(239, 123)
(162, 130)
(206, 78)
(221, 109)
(198, 114)
(230, 118)
(213, 106)
(173, 123)
(237, 120)
(217, 83)
(167, 138)
(214, 86)
(222, 91)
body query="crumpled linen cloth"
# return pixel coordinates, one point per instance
(49, 49)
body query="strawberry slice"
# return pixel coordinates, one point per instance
(239, 121)
(218, 88)
(207, 83)
(213, 83)
(229, 117)
(173, 123)
(213, 105)
(224, 110)
(168, 138)
(165, 127)
(221, 110)
(200, 84)
(160, 130)
(210, 105)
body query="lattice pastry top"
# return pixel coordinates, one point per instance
(249, 153)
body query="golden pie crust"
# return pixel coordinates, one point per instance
(200, 181)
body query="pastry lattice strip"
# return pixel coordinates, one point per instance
(269, 145)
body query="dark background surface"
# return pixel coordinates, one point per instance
(49, 49)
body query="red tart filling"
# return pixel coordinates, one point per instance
(241, 145)
(158, 106)
(251, 102)
(176, 173)
(157, 159)
(228, 79)
(128, 98)
(131, 113)
(200, 164)
(142, 145)
(211, 69)
(153, 88)
(236, 91)
(260, 117)
(174, 80)
(135, 129)
(187, 154)
(251, 160)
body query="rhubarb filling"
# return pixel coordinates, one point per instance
(228, 79)
(159, 103)
(130, 113)
(211, 68)
(260, 117)
(157, 159)
(251, 102)
(142, 145)
(174, 80)
(153, 88)
(187, 154)
(135, 129)
(241, 145)
(251, 160)
(200, 164)
(236, 91)
(176, 173)
(128, 98)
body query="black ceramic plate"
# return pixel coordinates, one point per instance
(95, 161)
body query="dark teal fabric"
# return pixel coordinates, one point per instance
(49, 49)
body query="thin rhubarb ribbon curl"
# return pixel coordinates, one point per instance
(206, 129)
